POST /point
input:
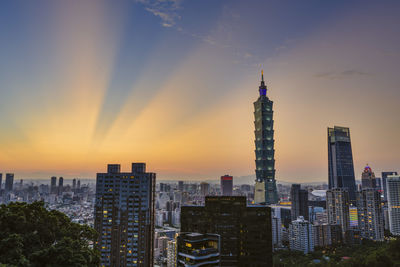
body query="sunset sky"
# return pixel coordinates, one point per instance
(172, 83)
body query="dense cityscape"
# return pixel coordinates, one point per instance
(142, 222)
(176, 133)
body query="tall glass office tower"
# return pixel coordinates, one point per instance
(265, 153)
(340, 161)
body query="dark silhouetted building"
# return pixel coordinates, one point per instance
(180, 186)
(326, 235)
(195, 249)
(9, 182)
(165, 187)
(226, 185)
(384, 177)
(1, 179)
(340, 161)
(379, 184)
(266, 191)
(53, 185)
(74, 184)
(60, 185)
(204, 188)
(124, 216)
(246, 234)
(353, 237)
(299, 199)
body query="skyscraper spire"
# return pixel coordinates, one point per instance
(262, 88)
(265, 188)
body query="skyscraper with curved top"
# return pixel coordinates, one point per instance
(265, 153)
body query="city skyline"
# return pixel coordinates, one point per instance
(172, 84)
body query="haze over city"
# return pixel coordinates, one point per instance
(172, 84)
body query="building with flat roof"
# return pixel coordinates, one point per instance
(384, 177)
(246, 234)
(393, 195)
(9, 182)
(124, 216)
(337, 206)
(301, 235)
(370, 214)
(226, 185)
(299, 199)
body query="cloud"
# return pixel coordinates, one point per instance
(166, 10)
(341, 75)
(247, 55)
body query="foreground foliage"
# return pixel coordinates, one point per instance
(30, 235)
(370, 253)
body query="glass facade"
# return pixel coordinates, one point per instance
(340, 161)
(264, 144)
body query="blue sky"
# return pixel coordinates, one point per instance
(171, 83)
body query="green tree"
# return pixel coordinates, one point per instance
(30, 235)
(369, 253)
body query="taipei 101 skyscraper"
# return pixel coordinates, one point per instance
(265, 188)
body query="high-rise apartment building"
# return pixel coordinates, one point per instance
(172, 253)
(299, 199)
(393, 189)
(9, 182)
(301, 235)
(276, 232)
(245, 230)
(124, 216)
(340, 161)
(337, 205)
(226, 185)
(195, 249)
(368, 178)
(264, 151)
(370, 214)
(384, 177)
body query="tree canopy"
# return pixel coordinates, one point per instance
(374, 254)
(31, 235)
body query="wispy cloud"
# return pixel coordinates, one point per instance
(166, 10)
(341, 75)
